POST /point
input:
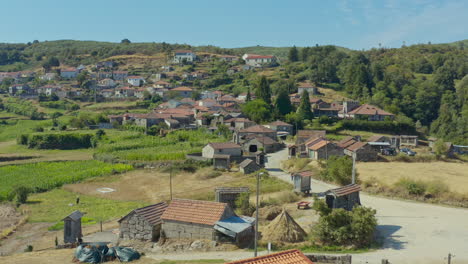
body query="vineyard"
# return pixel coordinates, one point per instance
(22, 107)
(134, 146)
(63, 105)
(44, 176)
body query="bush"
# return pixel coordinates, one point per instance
(56, 141)
(21, 194)
(243, 205)
(64, 105)
(379, 126)
(419, 188)
(338, 169)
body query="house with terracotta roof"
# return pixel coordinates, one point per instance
(221, 148)
(193, 219)
(292, 256)
(184, 56)
(257, 130)
(143, 223)
(361, 150)
(280, 126)
(324, 149)
(254, 143)
(255, 60)
(239, 123)
(369, 112)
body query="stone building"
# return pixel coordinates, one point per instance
(143, 223)
(280, 126)
(254, 143)
(229, 195)
(221, 161)
(257, 130)
(72, 227)
(301, 181)
(324, 149)
(346, 197)
(193, 219)
(249, 166)
(362, 151)
(225, 148)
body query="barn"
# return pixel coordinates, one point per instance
(143, 223)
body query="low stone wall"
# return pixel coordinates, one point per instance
(178, 230)
(330, 259)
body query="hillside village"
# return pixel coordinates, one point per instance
(205, 152)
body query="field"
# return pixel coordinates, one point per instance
(44, 176)
(13, 128)
(134, 146)
(453, 174)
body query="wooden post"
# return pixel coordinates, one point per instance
(101, 225)
(449, 258)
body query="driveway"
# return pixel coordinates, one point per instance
(412, 232)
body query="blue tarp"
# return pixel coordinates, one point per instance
(99, 252)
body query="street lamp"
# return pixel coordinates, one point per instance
(256, 214)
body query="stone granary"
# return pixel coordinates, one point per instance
(362, 151)
(346, 197)
(193, 219)
(143, 223)
(301, 181)
(72, 227)
(249, 166)
(229, 195)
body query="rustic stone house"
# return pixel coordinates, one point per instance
(324, 149)
(255, 143)
(301, 181)
(239, 123)
(362, 151)
(225, 148)
(249, 166)
(280, 126)
(370, 112)
(257, 130)
(193, 219)
(72, 227)
(346, 197)
(303, 136)
(229, 195)
(143, 223)
(221, 161)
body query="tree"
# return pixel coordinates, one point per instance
(338, 169)
(224, 131)
(283, 104)
(249, 96)
(125, 41)
(263, 90)
(243, 205)
(257, 110)
(293, 54)
(304, 110)
(440, 148)
(445, 77)
(82, 77)
(196, 95)
(49, 63)
(21, 193)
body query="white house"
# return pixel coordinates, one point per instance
(50, 76)
(258, 60)
(184, 55)
(135, 80)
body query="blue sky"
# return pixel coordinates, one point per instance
(357, 24)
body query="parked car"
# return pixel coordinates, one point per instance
(408, 151)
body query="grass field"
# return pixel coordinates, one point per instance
(44, 176)
(13, 128)
(453, 174)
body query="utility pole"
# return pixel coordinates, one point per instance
(354, 168)
(449, 258)
(256, 215)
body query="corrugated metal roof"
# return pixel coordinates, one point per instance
(233, 225)
(151, 213)
(345, 190)
(75, 216)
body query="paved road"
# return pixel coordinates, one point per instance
(413, 232)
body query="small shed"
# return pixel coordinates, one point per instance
(221, 161)
(143, 223)
(301, 181)
(72, 227)
(235, 229)
(229, 195)
(346, 197)
(249, 166)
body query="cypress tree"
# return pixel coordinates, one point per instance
(249, 96)
(293, 54)
(263, 90)
(283, 103)
(305, 111)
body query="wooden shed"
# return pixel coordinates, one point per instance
(346, 197)
(72, 227)
(143, 223)
(229, 195)
(249, 166)
(301, 181)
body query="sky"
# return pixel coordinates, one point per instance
(356, 24)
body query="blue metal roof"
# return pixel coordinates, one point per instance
(233, 225)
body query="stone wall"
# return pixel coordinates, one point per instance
(329, 259)
(179, 230)
(136, 227)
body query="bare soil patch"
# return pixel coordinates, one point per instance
(8, 217)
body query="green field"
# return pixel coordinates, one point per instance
(13, 128)
(43, 176)
(135, 146)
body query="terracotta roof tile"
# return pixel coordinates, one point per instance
(356, 146)
(183, 88)
(367, 109)
(279, 123)
(292, 256)
(319, 145)
(194, 211)
(224, 145)
(257, 129)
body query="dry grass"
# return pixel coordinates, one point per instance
(453, 174)
(284, 229)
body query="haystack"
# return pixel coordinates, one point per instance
(284, 229)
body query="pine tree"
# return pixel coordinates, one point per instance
(263, 90)
(293, 54)
(249, 96)
(283, 103)
(305, 111)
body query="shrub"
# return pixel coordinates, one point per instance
(58, 141)
(338, 169)
(243, 205)
(21, 194)
(411, 186)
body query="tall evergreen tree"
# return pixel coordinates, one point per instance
(263, 90)
(249, 96)
(293, 54)
(305, 110)
(283, 103)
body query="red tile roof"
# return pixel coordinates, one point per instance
(292, 256)
(252, 57)
(311, 133)
(367, 109)
(194, 211)
(224, 145)
(279, 123)
(346, 142)
(356, 146)
(320, 144)
(257, 129)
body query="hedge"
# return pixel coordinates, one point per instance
(56, 141)
(378, 126)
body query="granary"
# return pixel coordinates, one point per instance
(249, 166)
(224, 148)
(292, 256)
(301, 181)
(143, 223)
(362, 151)
(229, 195)
(324, 149)
(221, 161)
(346, 197)
(72, 227)
(193, 219)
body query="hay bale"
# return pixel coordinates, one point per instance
(268, 213)
(284, 229)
